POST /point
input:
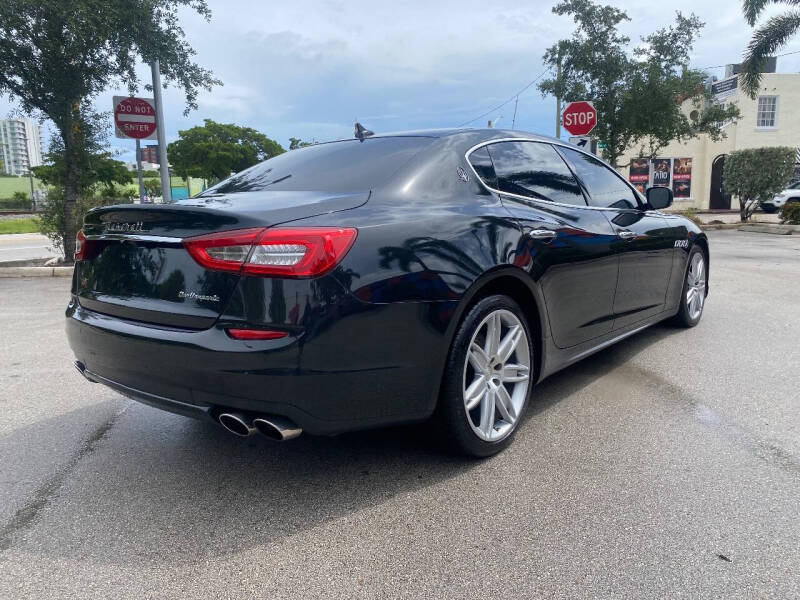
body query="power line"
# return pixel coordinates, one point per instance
(776, 56)
(490, 111)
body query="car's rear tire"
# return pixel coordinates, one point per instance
(695, 286)
(487, 379)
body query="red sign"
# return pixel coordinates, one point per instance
(580, 118)
(134, 118)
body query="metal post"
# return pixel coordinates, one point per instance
(139, 169)
(166, 185)
(558, 96)
(33, 196)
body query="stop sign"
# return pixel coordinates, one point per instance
(580, 117)
(134, 118)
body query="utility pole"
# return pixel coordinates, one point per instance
(558, 95)
(139, 169)
(166, 184)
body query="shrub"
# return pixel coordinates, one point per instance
(757, 174)
(153, 187)
(16, 203)
(52, 220)
(790, 213)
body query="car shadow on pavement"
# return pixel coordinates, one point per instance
(574, 378)
(160, 487)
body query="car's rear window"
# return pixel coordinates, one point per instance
(346, 166)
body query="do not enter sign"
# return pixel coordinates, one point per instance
(134, 118)
(580, 117)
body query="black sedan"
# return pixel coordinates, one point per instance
(380, 280)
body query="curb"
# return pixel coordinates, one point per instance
(36, 272)
(773, 229)
(715, 226)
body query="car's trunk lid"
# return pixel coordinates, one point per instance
(138, 268)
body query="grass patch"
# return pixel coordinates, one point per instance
(28, 225)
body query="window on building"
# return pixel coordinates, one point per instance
(767, 111)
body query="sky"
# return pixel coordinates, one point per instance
(309, 68)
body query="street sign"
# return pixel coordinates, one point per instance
(580, 118)
(134, 118)
(584, 141)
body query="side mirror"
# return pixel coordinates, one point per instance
(659, 197)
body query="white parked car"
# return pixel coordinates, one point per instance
(790, 194)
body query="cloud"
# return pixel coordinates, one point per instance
(308, 68)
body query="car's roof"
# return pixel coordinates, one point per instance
(477, 135)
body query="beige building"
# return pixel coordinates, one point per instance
(694, 169)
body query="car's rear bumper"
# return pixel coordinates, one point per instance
(375, 366)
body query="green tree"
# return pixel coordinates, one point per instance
(215, 150)
(152, 187)
(767, 39)
(295, 143)
(56, 57)
(757, 174)
(99, 172)
(98, 177)
(644, 96)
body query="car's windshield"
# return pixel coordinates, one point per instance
(346, 166)
(795, 186)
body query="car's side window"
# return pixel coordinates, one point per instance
(482, 163)
(534, 170)
(606, 188)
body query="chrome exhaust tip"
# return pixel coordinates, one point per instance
(276, 428)
(237, 423)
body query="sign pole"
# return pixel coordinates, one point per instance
(139, 169)
(166, 185)
(558, 97)
(33, 195)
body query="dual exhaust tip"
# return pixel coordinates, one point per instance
(274, 427)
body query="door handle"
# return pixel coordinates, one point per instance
(541, 234)
(626, 234)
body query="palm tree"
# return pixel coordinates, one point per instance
(768, 38)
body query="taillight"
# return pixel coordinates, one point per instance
(83, 247)
(281, 252)
(225, 251)
(257, 334)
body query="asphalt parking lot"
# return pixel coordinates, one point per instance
(667, 466)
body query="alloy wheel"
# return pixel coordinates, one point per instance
(496, 375)
(696, 286)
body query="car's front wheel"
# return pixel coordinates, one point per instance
(693, 299)
(488, 377)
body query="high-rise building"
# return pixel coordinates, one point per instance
(20, 145)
